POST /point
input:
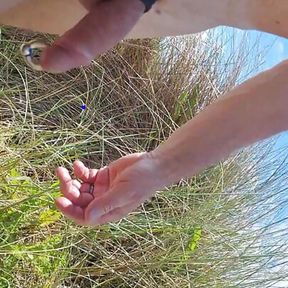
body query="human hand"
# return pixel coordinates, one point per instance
(116, 190)
(106, 23)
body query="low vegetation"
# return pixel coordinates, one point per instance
(223, 228)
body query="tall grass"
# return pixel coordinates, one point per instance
(216, 230)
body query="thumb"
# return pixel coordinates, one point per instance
(111, 203)
(104, 26)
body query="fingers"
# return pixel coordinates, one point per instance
(63, 175)
(76, 184)
(85, 188)
(104, 26)
(68, 187)
(112, 205)
(102, 182)
(83, 173)
(71, 189)
(70, 210)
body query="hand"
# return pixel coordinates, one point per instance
(103, 27)
(117, 189)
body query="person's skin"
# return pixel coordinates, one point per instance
(89, 38)
(109, 21)
(5, 5)
(254, 110)
(244, 116)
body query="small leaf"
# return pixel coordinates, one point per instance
(30, 256)
(195, 239)
(14, 173)
(49, 217)
(56, 184)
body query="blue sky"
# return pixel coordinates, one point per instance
(268, 48)
(277, 52)
(271, 50)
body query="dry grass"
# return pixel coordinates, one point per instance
(136, 95)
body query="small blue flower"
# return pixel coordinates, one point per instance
(83, 107)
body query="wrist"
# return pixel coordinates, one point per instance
(168, 170)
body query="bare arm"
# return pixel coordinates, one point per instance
(265, 15)
(110, 21)
(253, 111)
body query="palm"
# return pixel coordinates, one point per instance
(105, 195)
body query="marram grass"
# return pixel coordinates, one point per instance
(219, 229)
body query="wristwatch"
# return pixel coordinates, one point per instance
(148, 4)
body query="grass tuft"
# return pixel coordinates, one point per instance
(220, 229)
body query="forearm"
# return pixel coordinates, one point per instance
(253, 111)
(264, 15)
(190, 16)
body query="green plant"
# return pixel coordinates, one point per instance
(205, 232)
